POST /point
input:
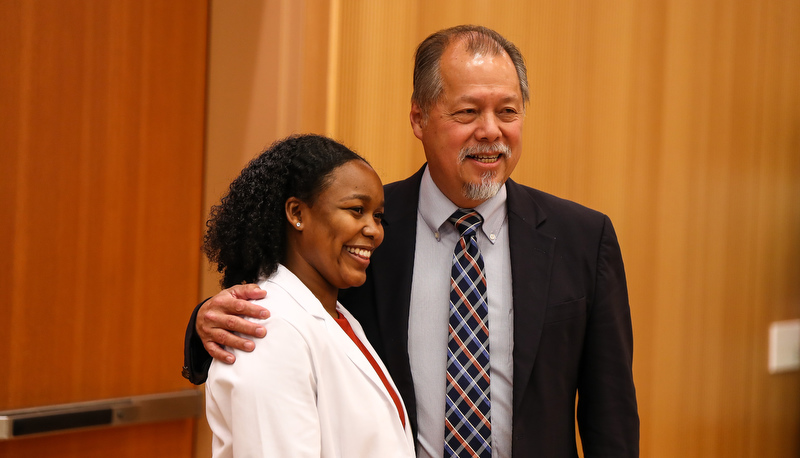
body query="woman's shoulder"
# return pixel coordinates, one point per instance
(288, 300)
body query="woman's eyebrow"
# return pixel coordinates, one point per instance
(364, 197)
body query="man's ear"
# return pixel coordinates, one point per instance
(294, 212)
(417, 120)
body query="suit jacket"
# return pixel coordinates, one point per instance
(306, 391)
(572, 324)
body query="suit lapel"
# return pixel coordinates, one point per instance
(531, 263)
(392, 270)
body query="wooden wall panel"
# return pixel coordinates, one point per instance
(268, 77)
(372, 91)
(679, 119)
(102, 132)
(170, 439)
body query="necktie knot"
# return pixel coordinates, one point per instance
(466, 220)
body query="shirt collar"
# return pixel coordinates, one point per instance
(435, 208)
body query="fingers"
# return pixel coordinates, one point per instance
(219, 326)
(249, 291)
(221, 316)
(236, 301)
(218, 353)
(220, 339)
(225, 311)
(240, 307)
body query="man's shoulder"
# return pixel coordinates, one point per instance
(526, 199)
(401, 198)
(406, 185)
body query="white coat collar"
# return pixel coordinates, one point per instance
(288, 281)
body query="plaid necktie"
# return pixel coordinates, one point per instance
(467, 414)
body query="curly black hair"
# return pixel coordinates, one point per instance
(246, 232)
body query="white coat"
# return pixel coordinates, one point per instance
(306, 390)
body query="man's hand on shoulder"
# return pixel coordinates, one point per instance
(221, 315)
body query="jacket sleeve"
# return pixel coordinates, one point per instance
(196, 359)
(607, 410)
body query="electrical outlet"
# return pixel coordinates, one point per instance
(784, 346)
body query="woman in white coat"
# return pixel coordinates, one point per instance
(303, 219)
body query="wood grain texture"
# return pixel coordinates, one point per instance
(170, 439)
(679, 119)
(103, 114)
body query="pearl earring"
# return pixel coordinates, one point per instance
(297, 224)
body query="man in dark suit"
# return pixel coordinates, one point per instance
(559, 319)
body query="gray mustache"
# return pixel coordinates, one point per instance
(483, 148)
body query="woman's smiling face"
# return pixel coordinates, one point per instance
(342, 227)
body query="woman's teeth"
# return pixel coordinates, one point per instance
(360, 252)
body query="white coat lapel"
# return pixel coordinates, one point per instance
(306, 299)
(358, 356)
(352, 351)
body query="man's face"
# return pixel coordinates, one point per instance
(472, 136)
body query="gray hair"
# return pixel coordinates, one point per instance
(478, 39)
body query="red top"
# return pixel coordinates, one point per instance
(347, 329)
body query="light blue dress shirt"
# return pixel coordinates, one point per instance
(429, 314)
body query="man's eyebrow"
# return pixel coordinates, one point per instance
(471, 99)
